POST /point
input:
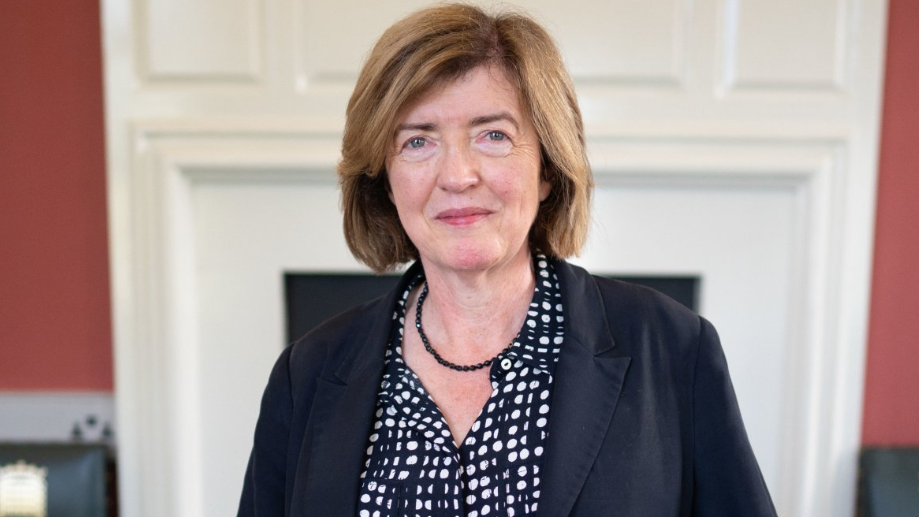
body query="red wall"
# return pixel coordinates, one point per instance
(54, 288)
(892, 384)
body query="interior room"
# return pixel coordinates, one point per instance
(170, 219)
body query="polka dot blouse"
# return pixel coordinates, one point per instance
(414, 468)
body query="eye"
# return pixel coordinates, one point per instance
(416, 142)
(496, 136)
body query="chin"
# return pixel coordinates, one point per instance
(469, 261)
(475, 258)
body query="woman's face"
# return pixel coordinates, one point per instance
(464, 170)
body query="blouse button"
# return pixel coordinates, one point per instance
(506, 363)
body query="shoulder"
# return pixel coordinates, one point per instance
(646, 306)
(643, 324)
(329, 344)
(625, 303)
(355, 338)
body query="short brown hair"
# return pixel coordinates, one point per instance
(425, 50)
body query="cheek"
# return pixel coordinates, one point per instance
(408, 184)
(406, 195)
(506, 187)
(398, 185)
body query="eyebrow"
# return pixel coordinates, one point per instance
(477, 121)
(421, 126)
(488, 119)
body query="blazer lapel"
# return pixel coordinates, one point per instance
(588, 381)
(342, 415)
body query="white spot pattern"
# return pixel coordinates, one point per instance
(414, 468)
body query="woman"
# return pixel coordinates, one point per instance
(521, 384)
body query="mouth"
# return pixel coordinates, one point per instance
(462, 216)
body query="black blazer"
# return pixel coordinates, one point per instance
(644, 418)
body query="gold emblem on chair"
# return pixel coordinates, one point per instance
(23, 490)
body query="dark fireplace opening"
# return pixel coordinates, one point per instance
(312, 298)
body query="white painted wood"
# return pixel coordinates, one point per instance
(642, 41)
(221, 166)
(785, 43)
(203, 40)
(335, 37)
(621, 42)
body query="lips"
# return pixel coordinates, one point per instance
(462, 216)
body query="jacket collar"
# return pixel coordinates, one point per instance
(588, 382)
(585, 310)
(367, 359)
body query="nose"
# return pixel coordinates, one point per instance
(459, 169)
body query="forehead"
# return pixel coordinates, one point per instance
(481, 91)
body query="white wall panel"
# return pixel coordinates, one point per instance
(211, 40)
(336, 36)
(784, 43)
(642, 43)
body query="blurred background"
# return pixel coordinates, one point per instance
(166, 166)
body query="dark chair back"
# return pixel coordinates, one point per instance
(889, 482)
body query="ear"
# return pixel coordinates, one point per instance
(544, 189)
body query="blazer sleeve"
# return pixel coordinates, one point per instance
(264, 491)
(727, 477)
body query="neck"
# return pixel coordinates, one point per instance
(469, 316)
